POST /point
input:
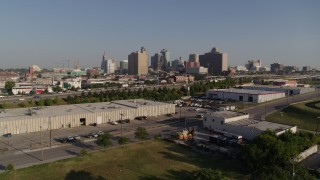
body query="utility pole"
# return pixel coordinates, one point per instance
(41, 143)
(185, 118)
(50, 132)
(317, 124)
(121, 122)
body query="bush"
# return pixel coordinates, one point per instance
(123, 140)
(104, 140)
(9, 167)
(141, 133)
(83, 152)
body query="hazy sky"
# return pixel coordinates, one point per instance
(46, 32)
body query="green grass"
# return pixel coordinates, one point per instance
(147, 160)
(304, 115)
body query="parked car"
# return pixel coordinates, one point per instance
(61, 139)
(70, 139)
(100, 133)
(8, 135)
(124, 121)
(76, 137)
(92, 135)
(113, 123)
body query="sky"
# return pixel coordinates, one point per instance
(46, 32)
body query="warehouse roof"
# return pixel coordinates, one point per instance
(227, 114)
(47, 111)
(278, 87)
(261, 125)
(244, 91)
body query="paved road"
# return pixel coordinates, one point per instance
(259, 111)
(66, 94)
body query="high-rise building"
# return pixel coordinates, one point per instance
(161, 61)
(215, 61)
(138, 62)
(194, 58)
(306, 68)
(276, 67)
(124, 67)
(253, 65)
(107, 65)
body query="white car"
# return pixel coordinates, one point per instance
(113, 123)
(100, 133)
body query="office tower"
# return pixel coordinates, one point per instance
(124, 67)
(107, 65)
(276, 67)
(161, 61)
(194, 58)
(306, 68)
(138, 62)
(253, 65)
(215, 61)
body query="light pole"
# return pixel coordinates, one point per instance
(317, 124)
(121, 122)
(41, 143)
(185, 118)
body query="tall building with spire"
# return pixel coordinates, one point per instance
(107, 65)
(138, 62)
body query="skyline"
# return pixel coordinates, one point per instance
(45, 33)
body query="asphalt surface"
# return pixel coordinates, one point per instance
(260, 111)
(25, 150)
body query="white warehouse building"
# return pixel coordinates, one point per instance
(26, 120)
(243, 95)
(240, 123)
(287, 90)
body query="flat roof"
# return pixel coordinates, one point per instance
(261, 125)
(47, 111)
(227, 114)
(278, 87)
(245, 91)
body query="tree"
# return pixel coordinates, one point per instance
(123, 140)
(9, 167)
(40, 102)
(208, 174)
(104, 140)
(141, 133)
(83, 152)
(48, 102)
(9, 85)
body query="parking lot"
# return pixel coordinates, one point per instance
(31, 141)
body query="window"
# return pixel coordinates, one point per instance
(221, 122)
(212, 120)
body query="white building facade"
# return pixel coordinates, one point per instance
(243, 95)
(240, 123)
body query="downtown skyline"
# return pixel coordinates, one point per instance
(45, 33)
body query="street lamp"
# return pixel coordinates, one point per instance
(317, 124)
(121, 122)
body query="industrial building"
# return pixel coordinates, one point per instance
(244, 95)
(240, 123)
(26, 120)
(288, 90)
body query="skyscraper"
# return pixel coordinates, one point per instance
(276, 67)
(215, 61)
(161, 61)
(124, 67)
(107, 65)
(138, 62)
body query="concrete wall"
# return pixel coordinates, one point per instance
(306, 153)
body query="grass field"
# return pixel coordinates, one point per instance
(147, 160)
(304, 115)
